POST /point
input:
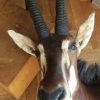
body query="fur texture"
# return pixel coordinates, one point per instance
(89, 74)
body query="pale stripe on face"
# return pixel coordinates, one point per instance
(65, 65)
(71, 79)
(65, 58)
(42, 59)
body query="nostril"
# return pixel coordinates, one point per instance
(58, 94)
(42, 95)
(61, 94)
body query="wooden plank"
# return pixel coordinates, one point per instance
(45, 11)
(32, 90)
(71, 20)
(11, 57)
(2, 3)
(52, 7)
(91, 55)
(24, 77)
(76, 10)
(5, 94)
(85, 0)
(96, 35)
(80, 10)
(20, 3)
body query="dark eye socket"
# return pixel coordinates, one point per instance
(72, 46)
(37, 53)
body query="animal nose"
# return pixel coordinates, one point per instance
(58, 94)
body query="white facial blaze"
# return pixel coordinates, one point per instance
(72, 84)
(65, 58)
(42, 58)
(71, 80)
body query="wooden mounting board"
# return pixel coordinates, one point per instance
(17, 70)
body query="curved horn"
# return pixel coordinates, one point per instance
(61, 18)
(40, 25)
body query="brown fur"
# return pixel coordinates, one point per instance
(54, 75)
(86, 93)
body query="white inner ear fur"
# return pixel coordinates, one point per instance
(85, 32)
(22, 42)
(42, 58)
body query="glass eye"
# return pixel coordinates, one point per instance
(72, 46)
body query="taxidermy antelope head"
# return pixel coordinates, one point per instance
(57, 52)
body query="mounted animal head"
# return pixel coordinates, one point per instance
(57, 52)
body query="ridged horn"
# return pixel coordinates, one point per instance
(61, 27)
(37, 18)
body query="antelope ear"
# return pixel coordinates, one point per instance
(23, 42)
(85, 32)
